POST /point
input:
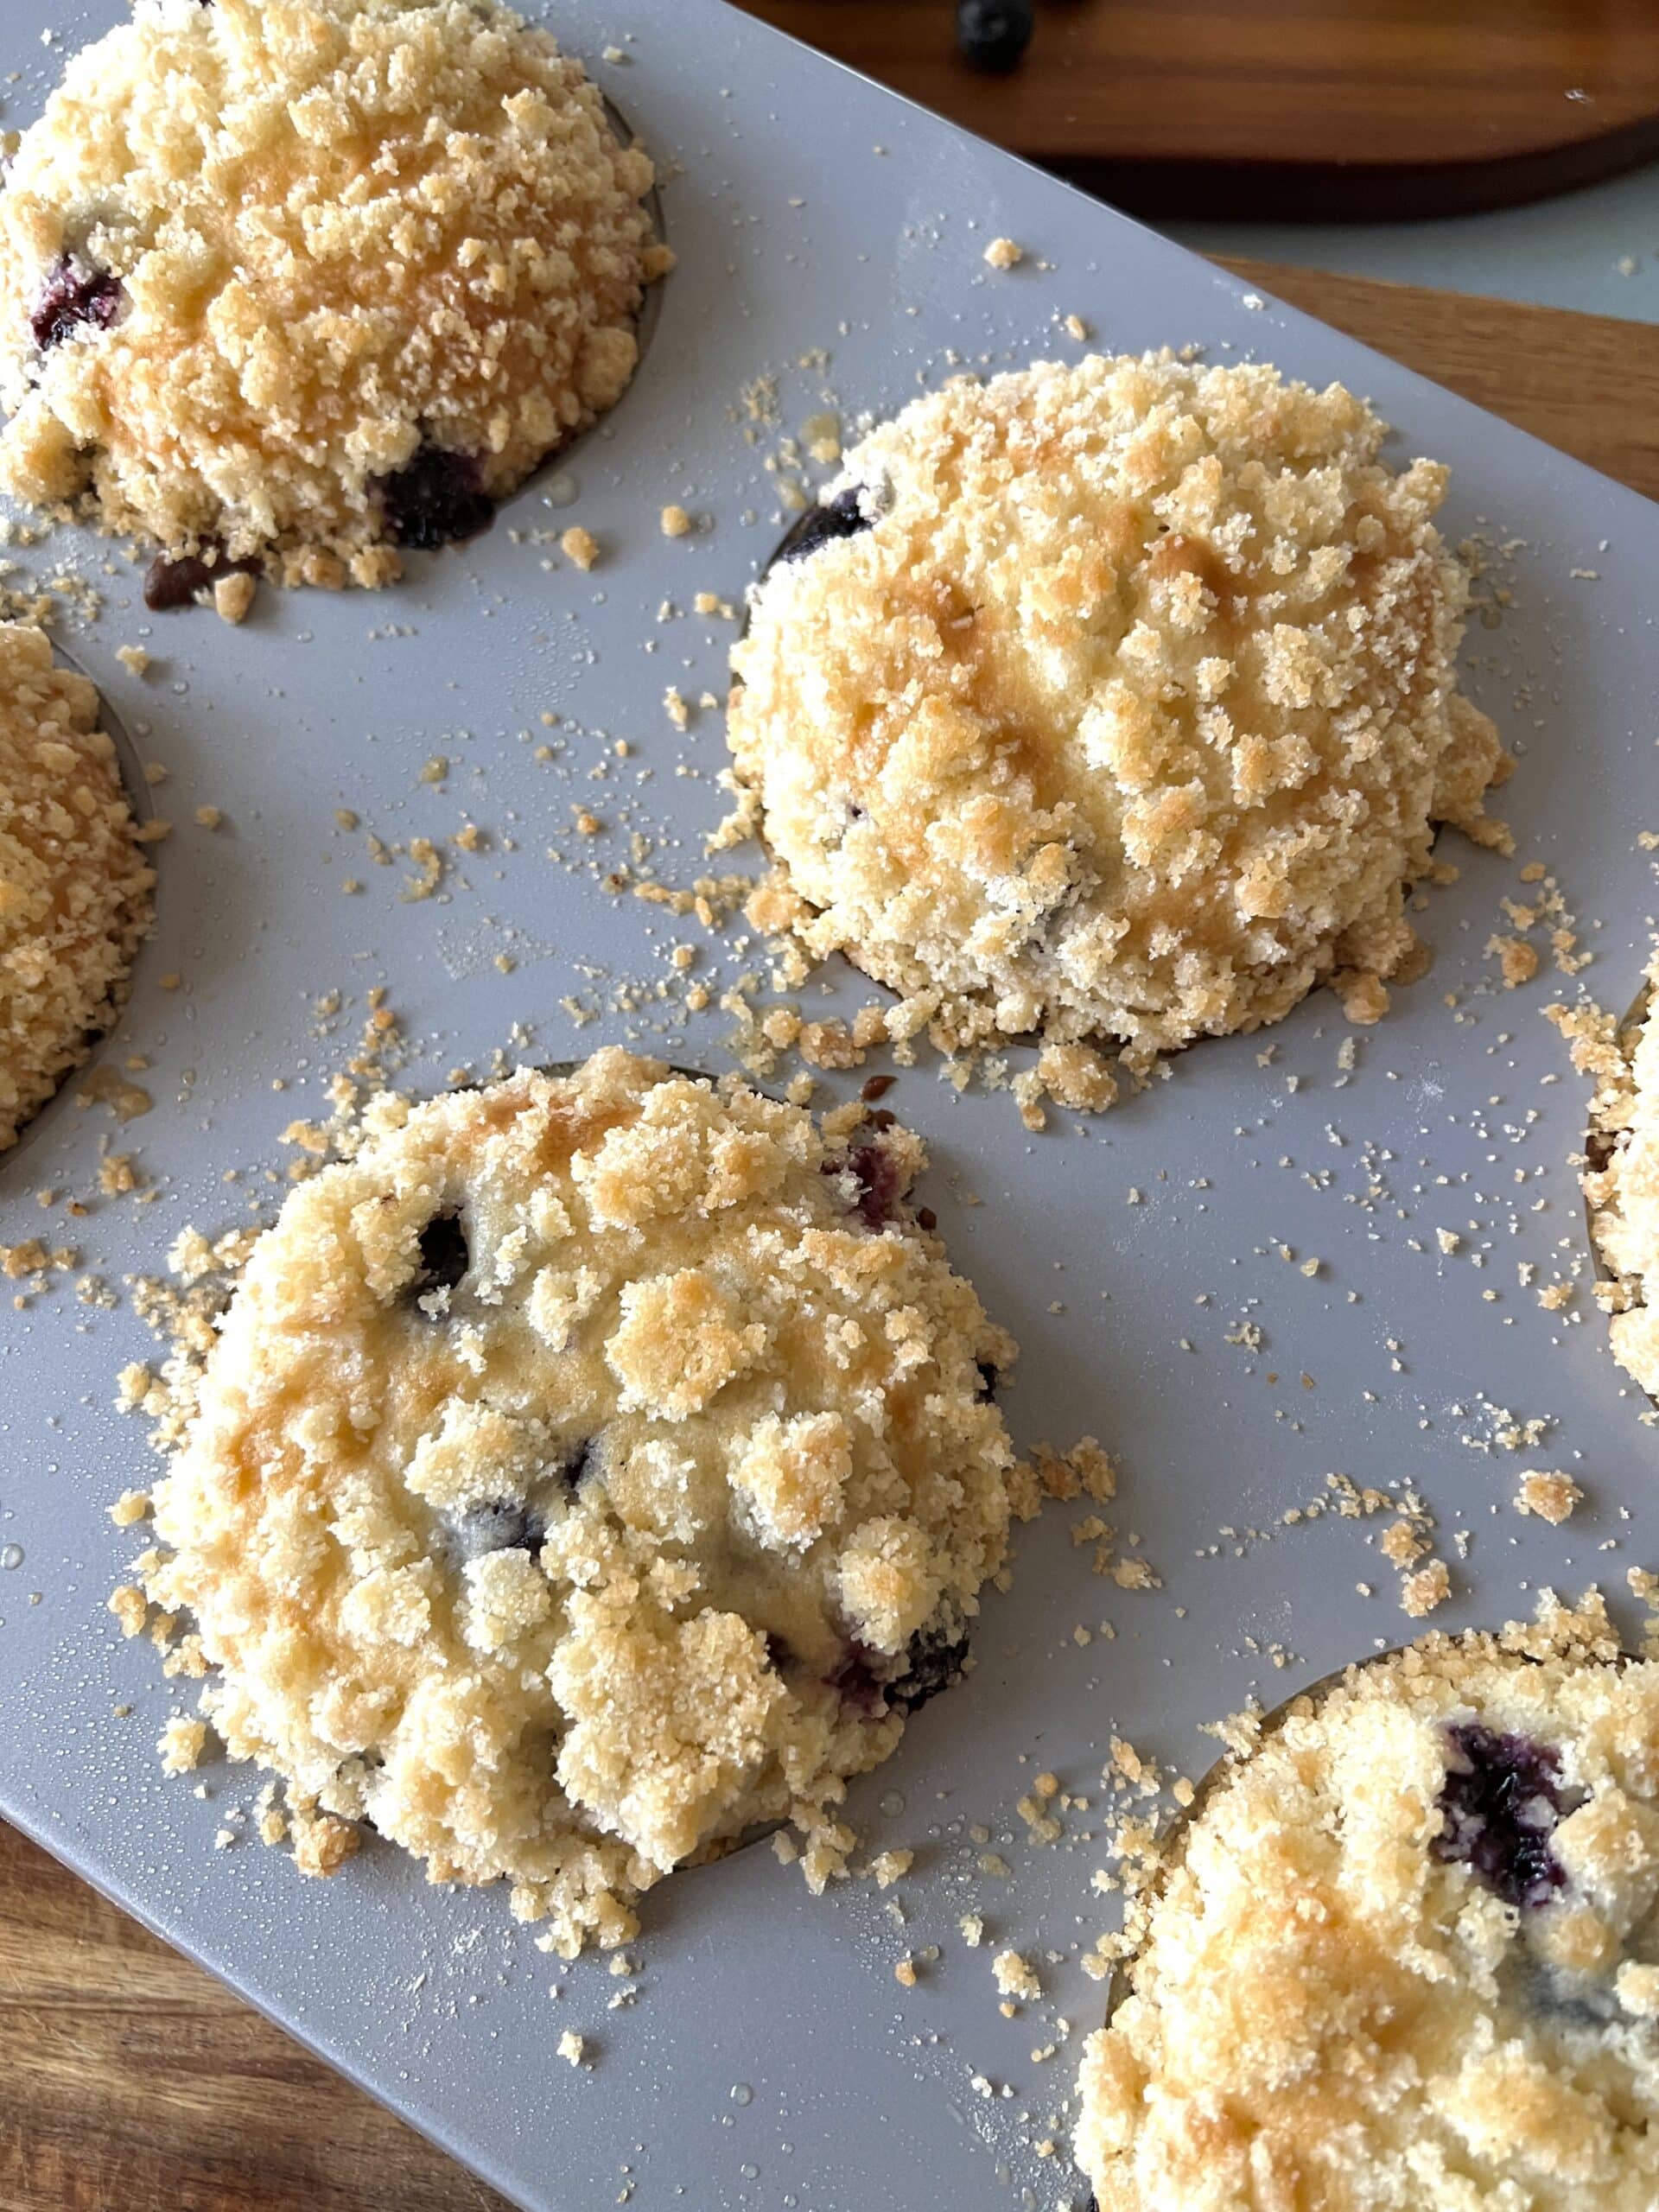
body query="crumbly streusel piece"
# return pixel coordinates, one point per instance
(1406, 1958)
(74, 889)
(589, 1469)
(1621, 1179)
(1114, 702)
(296, 282)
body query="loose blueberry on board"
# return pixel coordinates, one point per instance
(436, 499)
(1501, 1800)
(841, 517)
(445, 1256)
(993, 34)
(73, 295)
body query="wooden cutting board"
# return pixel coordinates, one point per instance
(130, 2080)
(1303, 109)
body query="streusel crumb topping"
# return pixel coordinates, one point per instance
(300, 281)
(74, 887)
(1405, 1958)
(588, 1470)
(1621, 1176)
(1113, 702)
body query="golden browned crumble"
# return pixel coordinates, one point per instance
(1621, 1174)
(1406, 1954)
(74, 889)
(293, 281)
(585, 1471)
(1119, 703)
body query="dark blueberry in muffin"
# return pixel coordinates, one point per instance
(172, 582)
(437, 499)
(842, 516)
(989, 1378)
(445, 1257)
(499, 1525)
(880, 1183)
(583, 1459)
(856, 1679)
(993, 34)
(71, 297)
(1501, 1800)
(933, 1662)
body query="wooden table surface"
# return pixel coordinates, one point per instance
(1309, 109)
(129, 2080)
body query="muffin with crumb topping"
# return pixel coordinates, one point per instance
(1113, 705)
(288, 285)
(1405, 1955)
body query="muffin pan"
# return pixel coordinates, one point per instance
(831, 239)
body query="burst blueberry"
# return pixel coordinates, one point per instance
(438, 499)
(74, 297)
(1500, 1803)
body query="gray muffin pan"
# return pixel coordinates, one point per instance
(831, 238)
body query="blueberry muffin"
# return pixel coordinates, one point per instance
(1112, 702)
(74, 886)
(1621, 1179)
(1405, 1956)
(288, 285)
(589, 1469)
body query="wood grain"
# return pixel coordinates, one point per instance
(131, 2082)
(1312, 109)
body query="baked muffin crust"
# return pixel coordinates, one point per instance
(74, 886)
(295, 282)
(1405, 1956)
(1112, 701)
(589, 1469)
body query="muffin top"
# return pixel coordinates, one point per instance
(298, 282)
(1405, 1956)
(74, 886)
(1113, 702)
(588, 1469)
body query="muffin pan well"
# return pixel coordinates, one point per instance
(831, 245)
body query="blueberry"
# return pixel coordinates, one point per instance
(436, 499)
(855, 1676)
(445, 1256)
(880, 1179)
(499, 1525)
(1501, 1800)
(574, 1471)
(933, 1662)
(842, 516)
(72, 295)
(171, 582)
(993, 34)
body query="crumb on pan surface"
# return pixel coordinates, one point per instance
(1113, 702)
(74, 886)
(1621, 1175)
(587, 1470)
(1406, 1955)
(296, 281)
